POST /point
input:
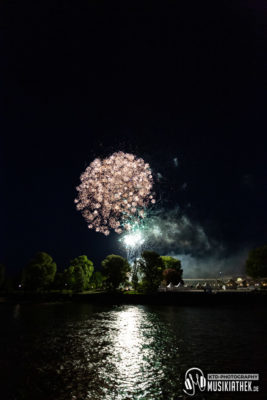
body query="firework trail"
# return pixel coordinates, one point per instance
(115, 192)
(133, 242)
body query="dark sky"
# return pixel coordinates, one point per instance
(161, 81)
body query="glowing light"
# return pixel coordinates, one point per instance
(133, 239)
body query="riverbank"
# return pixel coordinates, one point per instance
(187, 298)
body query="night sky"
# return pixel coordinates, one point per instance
(163, 81)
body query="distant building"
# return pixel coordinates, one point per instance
(230, 282)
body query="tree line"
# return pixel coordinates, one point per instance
(146, 274)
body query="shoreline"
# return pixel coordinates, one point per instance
(185, 298)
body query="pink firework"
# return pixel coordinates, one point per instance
(114, 191)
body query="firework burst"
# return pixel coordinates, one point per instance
(115, 192)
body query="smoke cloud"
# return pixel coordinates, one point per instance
(213, 265)
(173, 233)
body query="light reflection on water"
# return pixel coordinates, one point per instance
(86, 352)
(139, 350)
(133, 353)
(127, 345)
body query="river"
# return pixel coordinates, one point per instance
(76, 351)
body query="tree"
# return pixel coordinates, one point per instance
(151, 266)
(97, 279)
(68, 278)
(116, 270)
(40, 272)
(77, 275)
(83, 270)
(135, 275)
(79, 279)
(58, 281)
(171, 262)
(173, 276)
(256, 264)
(2, 274)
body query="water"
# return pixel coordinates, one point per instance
(88, 352)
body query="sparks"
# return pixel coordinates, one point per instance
(114, 191)
(133, 239)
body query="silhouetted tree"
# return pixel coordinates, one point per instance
(79, 279)
(115, 269)
(68, 278)
(58, 281)
(40, 272)
(9, 285)
(256, 264)
(151, 266)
